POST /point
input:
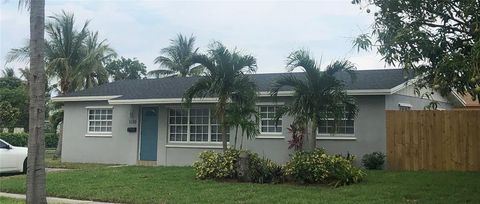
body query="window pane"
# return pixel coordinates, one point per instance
(268, 123)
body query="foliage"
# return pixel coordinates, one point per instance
(262, 170)
(178, 59)
(439, 41)
(318, 96)
(75, 59)
(14, 99)
(225, 77)
(8, 115)
(319, 167)
(374, 160)
(297, 137)
(126, 68)
(21, 139)
(214, 165)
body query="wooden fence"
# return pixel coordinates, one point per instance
(433, 140)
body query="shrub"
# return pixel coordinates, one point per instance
(15, 139)
(263, 170)
(213, 165)
(319, 167)
(21, 139)
(374, 160)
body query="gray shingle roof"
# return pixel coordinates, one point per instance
(175, 87)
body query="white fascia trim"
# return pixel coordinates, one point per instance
(98, 135)
(83, 98)
(405, 105)
(194, 146)
(270, 103)
(162, 101)
(362, 92)
(459, 98)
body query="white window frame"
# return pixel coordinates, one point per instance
(189, 126)
(274, 134)
(94, 133)
(340, 136)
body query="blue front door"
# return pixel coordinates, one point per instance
(149, 134)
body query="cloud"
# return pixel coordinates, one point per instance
(267, 29)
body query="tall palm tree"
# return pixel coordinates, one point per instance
(75, 59)
(225, 77)
(318, 96)
(177, 59)
(36, 182)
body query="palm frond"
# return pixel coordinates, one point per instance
(160, 72)
(341, 66)
(18, 54)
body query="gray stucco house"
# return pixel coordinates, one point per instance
(143, 121)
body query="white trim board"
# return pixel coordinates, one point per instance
(83, 98)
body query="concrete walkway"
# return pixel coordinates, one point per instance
(51, 199)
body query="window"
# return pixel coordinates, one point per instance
(216, 133)
(404, 106)
(342, 126)
(100, 120)
(268, 124)
(193, 125)
(3, 145)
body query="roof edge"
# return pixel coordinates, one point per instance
(83, 98)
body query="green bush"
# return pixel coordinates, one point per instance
(21, 139)
(263, 170)
(15, 139)
(215, 165)
(319, 167)
(374, 160)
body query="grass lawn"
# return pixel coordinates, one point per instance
(5, 200)
(136, 184)
(56, 163)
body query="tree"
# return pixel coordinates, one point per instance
(126, 68)
(178, 59)
(8, 115)
(14, 92)
(317, 96)
(36, 182)
(439, 41)
(75, 59)
(225, 77)
(242, 111)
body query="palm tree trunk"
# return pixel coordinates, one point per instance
(310, 137)
(58, 151)
(36, 183)
(236, 134)
(221, 112)
(241, 142)
(314, 134)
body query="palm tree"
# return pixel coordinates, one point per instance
(75, 59)
(318, 96)
(36, 182)
(8, 72)
(242, 112)
(225, 78)
(177, 59)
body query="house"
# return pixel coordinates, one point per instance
(144, 122)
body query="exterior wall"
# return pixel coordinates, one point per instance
(118, 148)
(408, 96)
(392, 101)
(122, 147)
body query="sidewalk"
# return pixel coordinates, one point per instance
(51, 199)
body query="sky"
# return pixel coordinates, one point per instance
(268, 30)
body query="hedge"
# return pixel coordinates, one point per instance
(21, 139)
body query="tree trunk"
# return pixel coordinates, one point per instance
(58, 151)
(310, 138)
(36, 183)
(221, 116)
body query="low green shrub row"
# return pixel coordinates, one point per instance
(304, 167)
(319, 167)
(21, 139)
(373, 161)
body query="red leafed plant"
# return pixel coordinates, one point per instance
(297, 137)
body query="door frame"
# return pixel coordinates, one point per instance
(139, 138)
